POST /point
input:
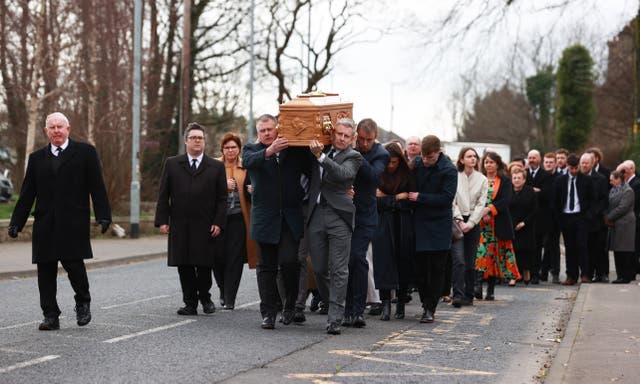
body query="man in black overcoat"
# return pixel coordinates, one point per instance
(191, 209)
(597, 243)
(62, 178)
(628, 167)
(541, 181)
(277, 221)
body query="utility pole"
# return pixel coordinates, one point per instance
(134, 199)
(636, 74)
(185, 83)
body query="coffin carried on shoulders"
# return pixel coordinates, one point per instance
(312, 116)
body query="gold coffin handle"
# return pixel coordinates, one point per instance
(327, 125)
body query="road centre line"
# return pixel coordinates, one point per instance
(28, 363)
(135, 302)
(148, 331)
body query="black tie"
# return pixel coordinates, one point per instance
(58, 151)
(193, 165)
(572, 191)
(332, 153)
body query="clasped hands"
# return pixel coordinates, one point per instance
(214, 230)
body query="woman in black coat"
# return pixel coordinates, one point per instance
(393, 240)
(523, 208)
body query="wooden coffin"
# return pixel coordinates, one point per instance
(312, 116)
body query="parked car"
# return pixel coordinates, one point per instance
(6, 189)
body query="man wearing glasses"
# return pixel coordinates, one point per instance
(192, 210)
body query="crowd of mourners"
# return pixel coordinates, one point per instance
(353, 224)
(359, 225)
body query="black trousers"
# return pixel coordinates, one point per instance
(551, 257)
(229, 265)
(598, 254)
(574, 232)
(536, 256)
(283, 256)
(196, 283)
(431, 267)
(625, 266)
(358, 270)
(47, 284)
(463, 257)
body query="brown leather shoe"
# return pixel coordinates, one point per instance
(569, 281)
(585, 279)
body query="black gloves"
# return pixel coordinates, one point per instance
(105, 225)
(12, 230)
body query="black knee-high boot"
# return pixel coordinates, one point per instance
(491, 284)
(477, 289)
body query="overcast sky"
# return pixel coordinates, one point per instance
(418, 80)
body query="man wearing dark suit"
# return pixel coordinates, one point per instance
(573, 202)
(597, 165)
(62, 178)
(331, 218)
(628, 167)
(437, 182)
(277, 221)
(551, 256)
(375, 161)
(598, 254)
(561, 161)
(540, 180)
(191, 209)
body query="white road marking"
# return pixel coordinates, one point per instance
(135, 302)
(28, 363)
(248, 304)
(148, 331)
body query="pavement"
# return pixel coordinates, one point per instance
(601, 341)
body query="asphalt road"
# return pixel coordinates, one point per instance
(135, 336)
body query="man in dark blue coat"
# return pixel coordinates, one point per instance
(437, 182)
(375, 161)
(277, 221)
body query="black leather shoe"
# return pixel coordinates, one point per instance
(604, 279)
(298, 316)
(287, 317)
(555, 279)
(228, 307)
(187, 310)
(466, 303)
(49, 324)
(456, 302)
(427, 316)
(324, 308)
(83, 314)
(399, 311)
(596, 279)
(333, 328)
(269, 322)
(386, 310)
(535, 280)
(315, 303)
(358, 321)
(208, 307)
(489, 297)
(621, 281)
(376, 309)
(347, 321)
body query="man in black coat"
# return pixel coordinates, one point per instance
(598, 252)
(191, 209)
(573, 204)
(375, 161)
(277, 221)
(541, 182)
(62, 178)
(551, 256)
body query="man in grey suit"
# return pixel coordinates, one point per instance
(331, 217)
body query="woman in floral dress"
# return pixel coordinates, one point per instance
(495, 258)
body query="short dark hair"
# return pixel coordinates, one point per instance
(618, 174)
(562, 151)
(573, 160)
(193, 127)
(430, 144)
(596, 152)
(368, 125)
(497, 159)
